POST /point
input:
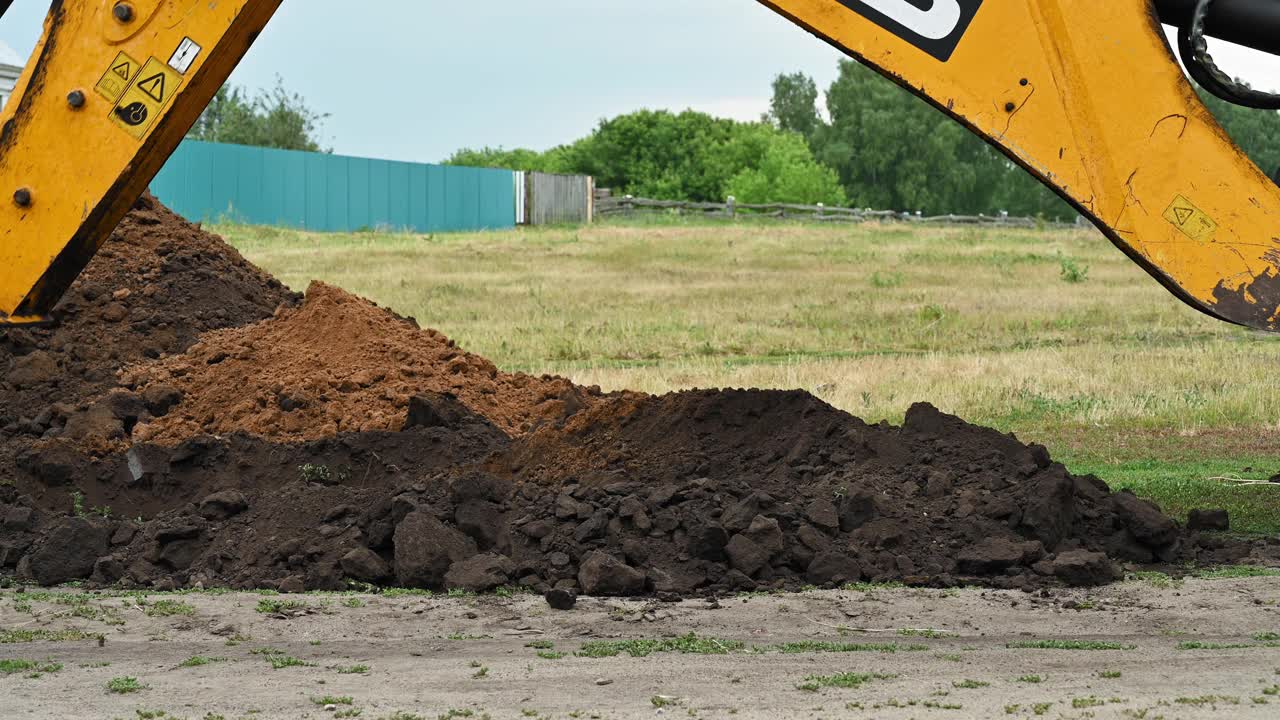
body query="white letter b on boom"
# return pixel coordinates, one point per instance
(935, 23)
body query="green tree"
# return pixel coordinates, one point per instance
(274, 118)
(795, 104)
(515, 159)
(894, 151)
(787, 173)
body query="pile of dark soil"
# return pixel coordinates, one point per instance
(157, 284)
(335, 442)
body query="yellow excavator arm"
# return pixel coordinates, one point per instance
(1085, 95)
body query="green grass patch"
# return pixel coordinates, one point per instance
(1155, 579)
(199, 661)
(124, 685)
(1110, 674)
(280, 662)
(25, 636)
(848, 680)
(970, 684)
(540, 644)
(551, 654)
(352, 669)
(1200, 645)
(1179, 487)
(686, 644)
(1068, 645)
(824, 646)
(32, 667)
(1034, 679)
(168, 608)
(1087, 702)
(333, 700)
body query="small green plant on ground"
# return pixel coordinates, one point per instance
(970, 684)
(353, 670)
(1267, 637)
(887, 280)
(661, 701)
(167, 608)
(1031, 679)
(1068, 645)
(322, 475)
(848, 680)
(124, 685)
(279, 662)
(1072, 271)
(1110, 674)
(348, 712)
(332, 700)
(1087, 702)
(1155, 579)
(550, 654)
(540, 644)
(1041, 708)
(198, 660)
(353, 602)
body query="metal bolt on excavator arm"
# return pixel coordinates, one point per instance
(1085, 95)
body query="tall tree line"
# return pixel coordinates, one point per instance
(876, 146)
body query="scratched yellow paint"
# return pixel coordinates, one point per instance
(1088, 96)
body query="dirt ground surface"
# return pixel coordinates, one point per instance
(1199, 649)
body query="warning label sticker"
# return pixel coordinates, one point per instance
(187, 52)
(138, 108)
(1191, 220)
(117, 77)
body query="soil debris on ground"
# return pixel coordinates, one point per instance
(192, 423)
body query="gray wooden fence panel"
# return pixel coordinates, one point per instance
(558, 199)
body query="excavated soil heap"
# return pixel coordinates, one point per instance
(242, 439)
(336, 364)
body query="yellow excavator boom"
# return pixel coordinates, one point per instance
(1085, 95)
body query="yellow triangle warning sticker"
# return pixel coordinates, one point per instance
(1190, 219)
(153, 86)
(116, 77)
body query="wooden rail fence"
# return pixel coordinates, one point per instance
(607, 206)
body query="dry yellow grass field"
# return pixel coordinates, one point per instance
(1051, 334)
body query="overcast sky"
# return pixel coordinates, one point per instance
(417, 79)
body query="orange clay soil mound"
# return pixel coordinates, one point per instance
(336, 364)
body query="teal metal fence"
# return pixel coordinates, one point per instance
(331, 193)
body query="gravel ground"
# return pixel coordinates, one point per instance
(1142, 652)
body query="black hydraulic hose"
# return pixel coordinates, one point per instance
(1252, 23)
